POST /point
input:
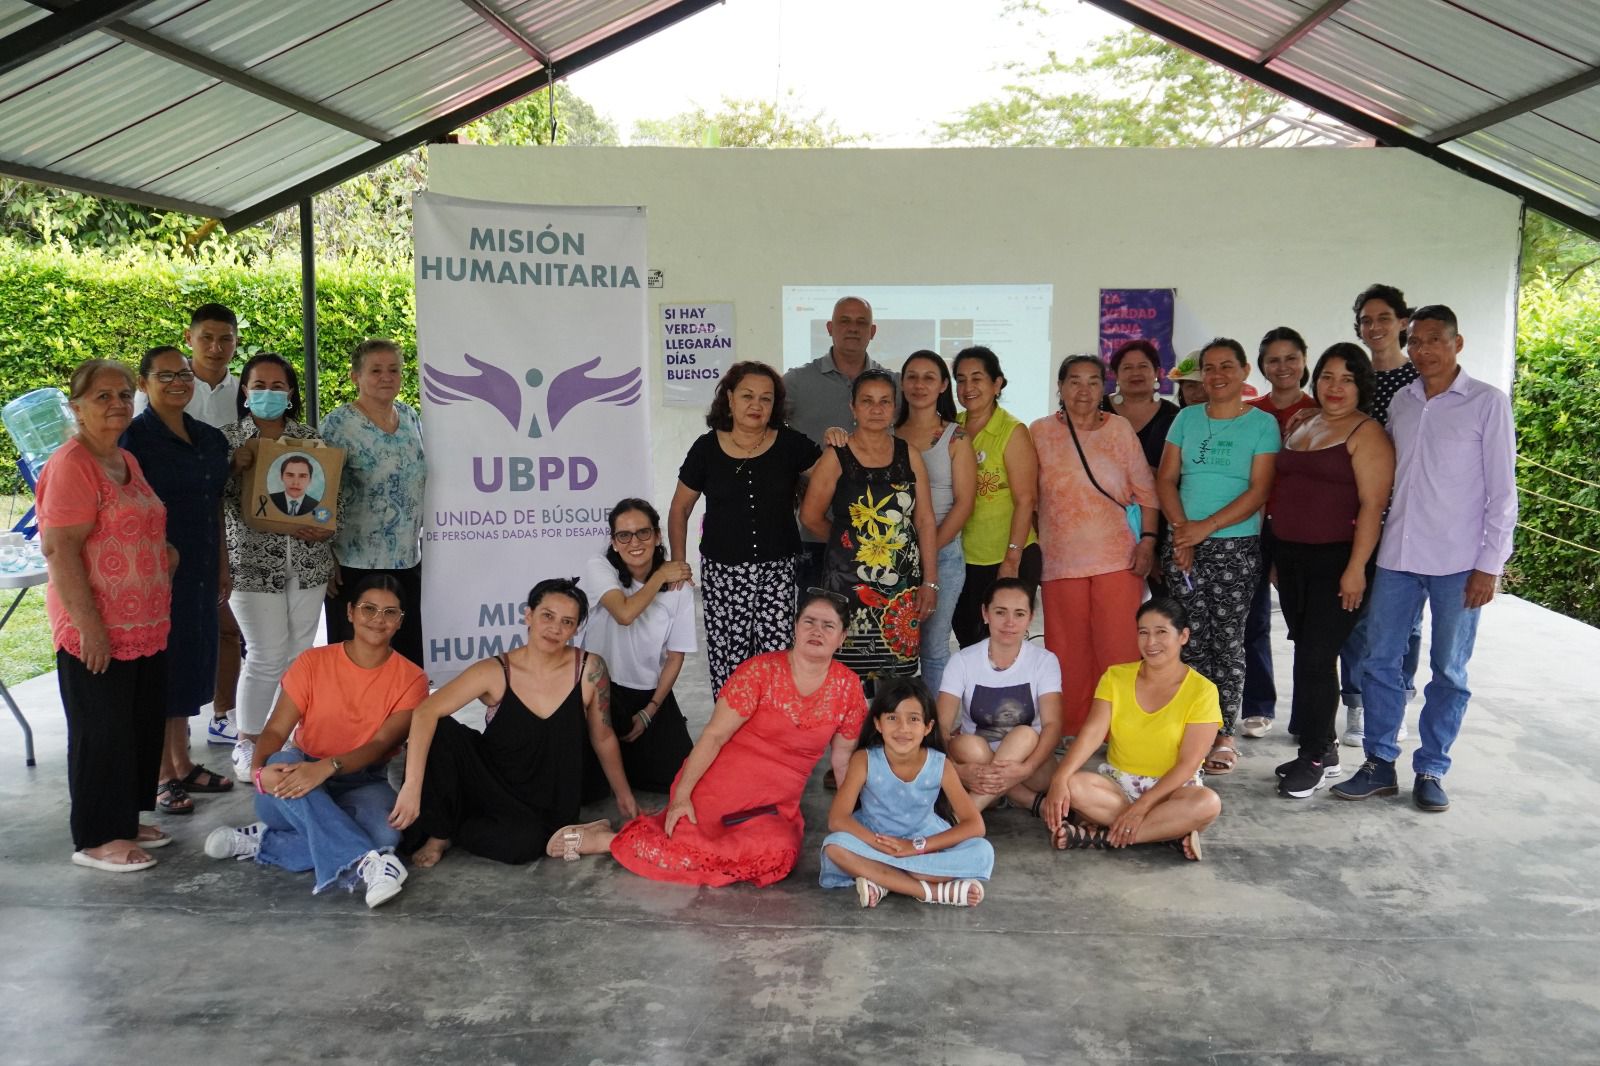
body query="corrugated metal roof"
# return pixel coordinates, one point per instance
(225, 107)
(1506, 90)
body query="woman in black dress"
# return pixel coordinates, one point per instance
(880, 558)
(509, 792)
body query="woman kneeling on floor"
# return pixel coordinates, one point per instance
(318, 766)
(897, 841)
(507, 793)
(1148, 790)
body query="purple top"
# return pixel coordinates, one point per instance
(1455, 484)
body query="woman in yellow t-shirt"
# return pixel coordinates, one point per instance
(1148, 790)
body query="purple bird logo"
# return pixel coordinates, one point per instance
(499, 389)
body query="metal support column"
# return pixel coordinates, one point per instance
(308, 310)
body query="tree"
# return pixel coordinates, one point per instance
(1133, 90)
(744, 124)
(366, 217)
(1556, 251)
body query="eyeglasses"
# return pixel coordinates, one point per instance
(627, 536)
(167, 377)
(369, 611)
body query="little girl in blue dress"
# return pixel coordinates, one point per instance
(897, 842)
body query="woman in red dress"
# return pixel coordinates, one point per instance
(734, 814)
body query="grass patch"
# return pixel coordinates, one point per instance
(26, 649)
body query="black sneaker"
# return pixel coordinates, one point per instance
(1303, 779)
(1329, 761)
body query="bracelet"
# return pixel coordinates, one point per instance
(1147, 533)
(1013, 547)
(934, 585)
(259, 789)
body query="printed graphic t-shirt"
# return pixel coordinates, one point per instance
(994, 702)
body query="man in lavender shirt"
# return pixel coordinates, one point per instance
(1446, 541)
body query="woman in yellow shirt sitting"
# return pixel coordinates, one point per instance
(1148, 790)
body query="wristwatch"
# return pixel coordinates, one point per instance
(919, 843)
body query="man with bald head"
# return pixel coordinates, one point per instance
(819, 395)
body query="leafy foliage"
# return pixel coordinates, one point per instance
(1133, 90)
(367, 218)
(58, 309)
(1552, 249)
(744, 124)
(1556, 398)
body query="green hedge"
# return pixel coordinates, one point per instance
(1557, 404)
(58, 308)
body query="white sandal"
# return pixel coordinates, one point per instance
(571, 840)
(953, 893)
(870, 893)
(1255, 726)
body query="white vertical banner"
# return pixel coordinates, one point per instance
(532, 335)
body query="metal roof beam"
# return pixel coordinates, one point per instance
(64, 25)
(99, 188)
(1385, 132)
(444, 124)
(508, 31)
(1511, 109)
(1300, 29)
(177, 53)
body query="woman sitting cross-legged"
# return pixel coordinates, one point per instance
(897, 841)
(1160, 716)
(735, 814)
(322, 796)
(1000, 708)
(509, 792)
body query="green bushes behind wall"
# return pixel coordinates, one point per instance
(1557, 405)
(58, 308)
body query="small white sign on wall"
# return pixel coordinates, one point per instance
(696, 349)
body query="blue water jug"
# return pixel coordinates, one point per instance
(39, 422)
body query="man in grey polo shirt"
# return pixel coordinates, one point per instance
(819, 395)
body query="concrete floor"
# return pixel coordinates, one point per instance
(1314, 932)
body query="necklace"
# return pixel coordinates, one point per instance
(750, 451)
(998, 667)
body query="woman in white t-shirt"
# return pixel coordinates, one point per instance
(1000, 705)
(641, 623)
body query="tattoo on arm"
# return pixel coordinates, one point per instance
(601, 680)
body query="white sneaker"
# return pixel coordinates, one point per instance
(384, 874)
(222, 731)
(244, 752)
(1401, 733)
(241, 843)
(1354, 736)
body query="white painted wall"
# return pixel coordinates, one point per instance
(1250, 239)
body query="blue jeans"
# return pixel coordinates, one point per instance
(1352, 659)
(1393, 607)
(936, 630)
(330, 829)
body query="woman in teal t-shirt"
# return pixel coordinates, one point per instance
(1216, 472)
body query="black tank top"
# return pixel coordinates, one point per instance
(540, 759)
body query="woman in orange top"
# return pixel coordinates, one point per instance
(1091, 467)
(318, 768)
(104, 532)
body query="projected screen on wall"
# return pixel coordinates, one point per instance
(1014, 320)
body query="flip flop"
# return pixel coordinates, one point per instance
(214, 782)
(81, 858)
(1192, 838)
(159, 841)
